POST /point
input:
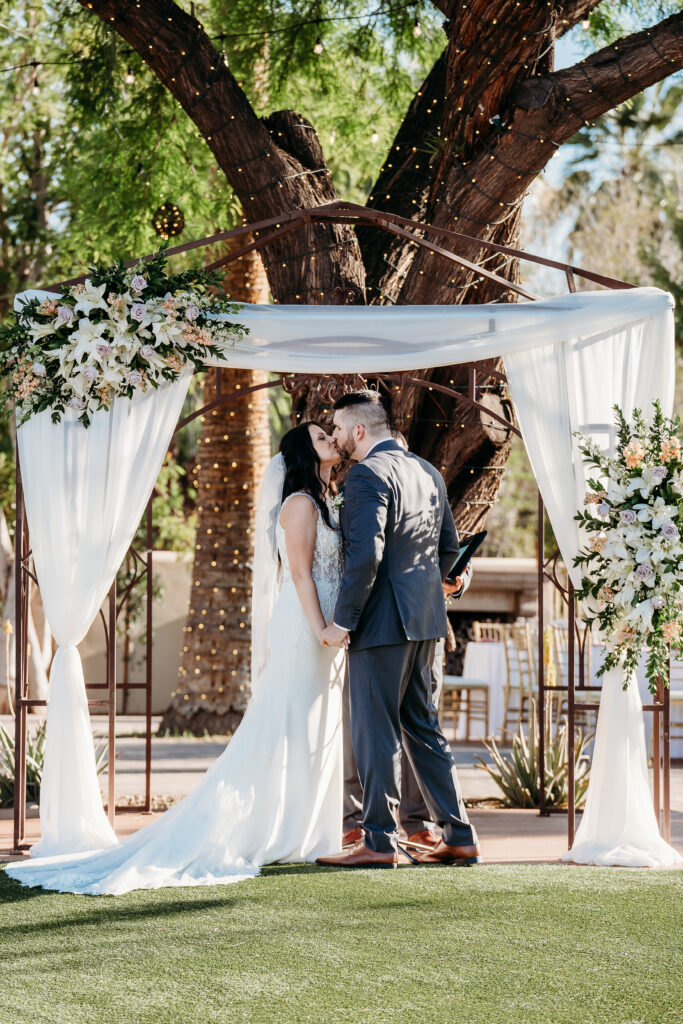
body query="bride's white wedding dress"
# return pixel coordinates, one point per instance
(274, 794)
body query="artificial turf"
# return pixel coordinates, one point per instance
(485, 945)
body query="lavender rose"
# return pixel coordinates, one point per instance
(659, 473)
(65, 315)
(134, 377)
(137, 311)
(192, 312)
(658, 602)
(603, 508)
(669, 530)
(644, 571)
(147, 351)
(76, 403)
(90, 373)
(103, 349)
(628, 516)
(39, 369)
(138, 283)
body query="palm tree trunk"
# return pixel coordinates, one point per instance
(234, 448)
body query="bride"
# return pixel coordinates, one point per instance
(275, 793)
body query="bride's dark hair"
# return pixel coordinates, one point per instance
(302, 467)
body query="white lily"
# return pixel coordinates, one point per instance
(658, 511)
(91, 297)
(41, 330)
(645, 483)
(641, 614)
(677, 482)
(85, 339)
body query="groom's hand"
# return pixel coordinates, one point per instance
(333, 636)
(453, 586)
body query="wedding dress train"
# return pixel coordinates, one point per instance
(274, 794)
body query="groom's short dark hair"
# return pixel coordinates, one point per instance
(367, 400)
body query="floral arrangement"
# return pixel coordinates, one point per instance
(633, 563)
(120, 332)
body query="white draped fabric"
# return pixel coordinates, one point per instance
(363, 339)
(568, 359)
(559, 389)
(85, 492)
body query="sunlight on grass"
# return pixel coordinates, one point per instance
(498, 944)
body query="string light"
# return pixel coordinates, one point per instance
(318, 45)
(417, 30)
(129, 77)
(374, 138)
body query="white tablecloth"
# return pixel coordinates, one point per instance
(486, 661)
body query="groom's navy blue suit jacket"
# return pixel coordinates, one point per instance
(400, 542)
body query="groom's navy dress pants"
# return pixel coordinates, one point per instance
(391, 706)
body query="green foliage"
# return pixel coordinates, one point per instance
(8, 489)
(90, 155)
(518, 777)
(615, 18)
(35, 760)
(624, 182)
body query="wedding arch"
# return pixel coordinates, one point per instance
(568, 360)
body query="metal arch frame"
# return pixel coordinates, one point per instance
(337, 212)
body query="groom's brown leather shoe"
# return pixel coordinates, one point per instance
(360, 856)
(444, 854)
(424, 840)
(353, 836)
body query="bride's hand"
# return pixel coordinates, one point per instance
(333, 636)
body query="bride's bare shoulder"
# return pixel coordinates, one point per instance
(298, 510)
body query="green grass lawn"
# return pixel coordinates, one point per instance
(488, 945)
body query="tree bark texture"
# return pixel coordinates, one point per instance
(234, 449)
(488, 117)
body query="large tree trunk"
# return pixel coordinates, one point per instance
(234, 449)
(491, 110)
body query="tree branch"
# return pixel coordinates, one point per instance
(269, 172)
(484, 194)
(402, 185)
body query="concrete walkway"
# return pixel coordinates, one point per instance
(507, 835)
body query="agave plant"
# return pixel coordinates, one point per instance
(518, 777)
(35, 760)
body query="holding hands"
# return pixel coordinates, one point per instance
(333, 636)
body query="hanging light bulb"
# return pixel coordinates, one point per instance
(417, 30)
(318, 45)
(36, 86)
(586, 24)
(129, 77)
(374, 138)
(224, 57)
(333, 136)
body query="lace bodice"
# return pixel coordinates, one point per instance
(328, 562)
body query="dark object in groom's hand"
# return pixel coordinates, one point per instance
(467, 550)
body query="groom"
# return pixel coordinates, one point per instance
(401, 542)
